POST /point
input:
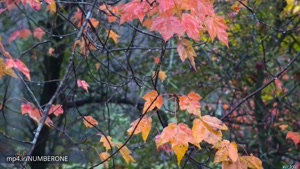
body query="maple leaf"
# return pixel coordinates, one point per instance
(226, 150)
(77, 17)
(110, 17)
(125, 152)
(134, 9)
(23, 33)
(56, 110)
(165, 5)
(186, 50)
(34, 113)
(107, 142)
(143, 127)
(161, 75)
(191, 103)
(18, 64)
(89, 122)
(178, 136)
(234, 165)
(51, 6)
(94, 22)
(252, 162)
(167, 27)
(6, 71)
(83, 84)
(192, 26)
(214, 122)
(103, 156)
(295, 136)
(113, 35)
(216, 27)
(165, 147)
(203, 131)
(152, 100)
(38, 33)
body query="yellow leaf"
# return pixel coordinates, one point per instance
(103, 156)
(6, 71)
(180, 151)
(161, 75)
(113, 35)
(226, 151)
(143, 127)
(125, 152)
(252, 162)
(107, 143)
(51, 6)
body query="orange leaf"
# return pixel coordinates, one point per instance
(94, 22)
(252, 162)
(293, 136)
(226, 151)
(97, 65)
(234, 165)
(83, 84)
(186, 50)
(214, 123)
(103, 156)
(202, 131)
(179, 136)
(143, 127)
(110, 17)
(38, 33)
(191, 103)
(216, 27)
(152, 100)
(89, 121)
(113, 35)
(23, 33)
(56, 110)
(34, 113)
(125, 152)
(18, 64)
(107, 142)
(167, 27)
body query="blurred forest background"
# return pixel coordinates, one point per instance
(252, 85)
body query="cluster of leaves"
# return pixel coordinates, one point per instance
(187, 20)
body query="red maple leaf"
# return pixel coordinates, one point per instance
(134, 9)
(167, 27)
(38, 33)
(192, 26)
(18, 64)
